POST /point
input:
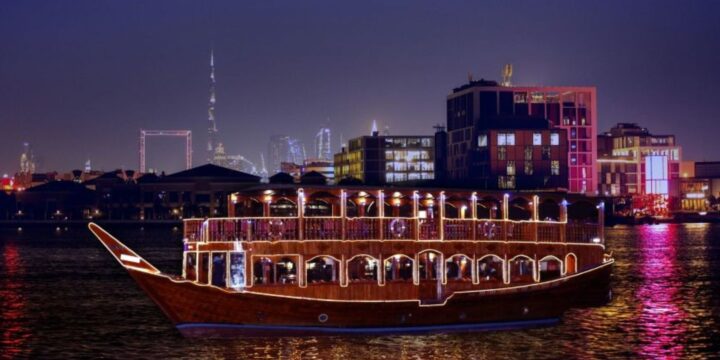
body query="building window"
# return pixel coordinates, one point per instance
(537, 138)
(528, 152)
(528, 168)
(502, 152)
(482, 140)
(506, 182)
(555, 167)
(555, 139)
(510, 167)
(546, 152)
(506, 138)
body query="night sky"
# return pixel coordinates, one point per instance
(78, 79)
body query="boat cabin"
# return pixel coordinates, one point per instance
(373, 244)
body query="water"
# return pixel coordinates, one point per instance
(62, 295)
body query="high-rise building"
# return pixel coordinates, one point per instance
(632, 161)
(323, 145)
(27, 159)
(212, 126)
(475, 105)
(283, 148)
(381, 159)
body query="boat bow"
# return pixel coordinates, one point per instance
(129, 259)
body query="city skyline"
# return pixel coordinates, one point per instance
(90, 87)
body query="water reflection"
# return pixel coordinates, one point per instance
(62, 295)
(12, 303)
(662, 319)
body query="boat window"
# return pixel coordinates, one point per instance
(550, 268)
(286, 270)
(362, 268)
(399, 268)
(263, 271)
(521, 269)
(283, 207)
(322, 269)
(318, 208)
(237, 270)
(204, 267)
(190, 263)
(429, 265)
(219, 269)
(459, 267)
(490, 268)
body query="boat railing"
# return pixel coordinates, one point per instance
(387, 228)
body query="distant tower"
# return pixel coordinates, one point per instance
(507, 74)
(27, 160)
(212, 126)
(263, 168)
(323, 149)
(88, 166)
(374, 129)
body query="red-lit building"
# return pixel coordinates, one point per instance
(521, 154)
(471, 107)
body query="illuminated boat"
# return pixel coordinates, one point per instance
(361, 260)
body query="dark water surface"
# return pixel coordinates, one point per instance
(62, 296)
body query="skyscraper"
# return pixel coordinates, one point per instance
(323, 147)
(283, 148)
(212, 126)
(27, 160)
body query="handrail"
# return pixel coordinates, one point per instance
(387, 228)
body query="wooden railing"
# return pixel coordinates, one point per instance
(387, 228)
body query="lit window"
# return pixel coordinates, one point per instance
(555, 167)
(528, 152)
(537, 139)
(554, 139)
(506, 138)
(511, 167)
(528, 168)
(502, 152)
(482, 140)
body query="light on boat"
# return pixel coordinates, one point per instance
(702, 213)
(130, 258)
(596, 240)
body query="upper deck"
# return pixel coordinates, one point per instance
(285, 213)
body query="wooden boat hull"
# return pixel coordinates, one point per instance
(198, 309)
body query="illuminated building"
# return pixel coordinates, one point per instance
(632, 161)
(701, 192)
(379, 159)
(694, 194)
(212, 125)
(521, 154)
(471, 107)
(324, 167)
(323, 146)
(283, 148)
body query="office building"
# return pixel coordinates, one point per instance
(632, 161)
(379, 159)
(475, 105)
